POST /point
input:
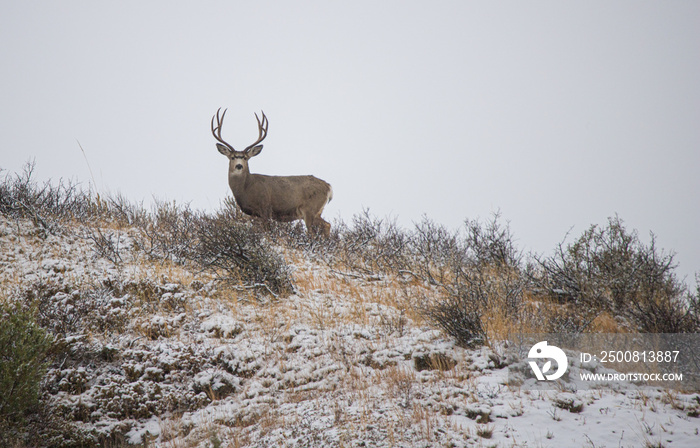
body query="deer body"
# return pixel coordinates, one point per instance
(282, 198)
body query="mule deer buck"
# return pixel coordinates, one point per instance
(282, 198)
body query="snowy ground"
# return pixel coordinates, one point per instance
(155, 353)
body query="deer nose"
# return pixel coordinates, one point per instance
(239, 167)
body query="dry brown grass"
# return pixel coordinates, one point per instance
(274, 320)
(401, 382)
(606, 323)
(358, 293)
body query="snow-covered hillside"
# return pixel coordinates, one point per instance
(161, 354)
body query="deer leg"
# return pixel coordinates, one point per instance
(316, 225)
(322, 226)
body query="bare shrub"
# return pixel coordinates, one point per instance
(371, 244)
(440, 257)
(492, 243)
(480, 275)
(47, 205)
(169, 232)
(610, 269)
(118, 208)
(107, 244)
(459, 317)
(241, 252)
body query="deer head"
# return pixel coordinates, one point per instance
(238, 159)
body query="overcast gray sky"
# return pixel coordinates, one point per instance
(559, 114)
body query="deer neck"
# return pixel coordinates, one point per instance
(239, 182)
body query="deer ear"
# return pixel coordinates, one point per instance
(255, 150)
(223, 150)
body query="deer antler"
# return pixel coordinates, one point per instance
(216, 131)
(262, 130)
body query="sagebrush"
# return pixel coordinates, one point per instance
(23, 349)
